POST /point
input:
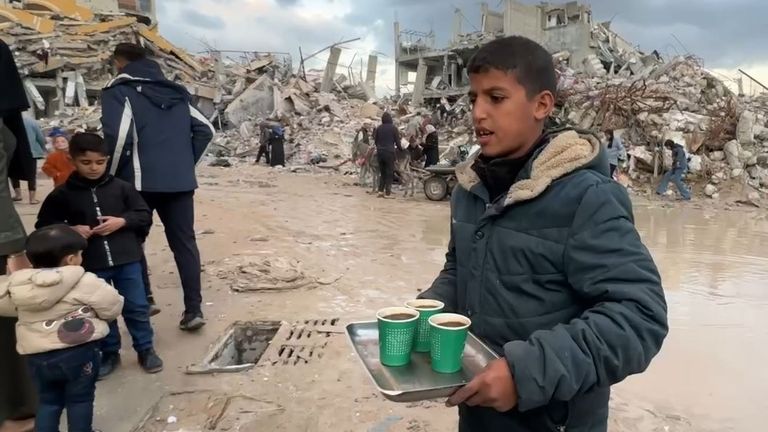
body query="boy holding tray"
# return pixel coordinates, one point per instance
(544, 258)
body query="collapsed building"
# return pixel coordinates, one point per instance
(62, 49)
(566, 30)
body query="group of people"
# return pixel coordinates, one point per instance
(85, 264)
(423, 146)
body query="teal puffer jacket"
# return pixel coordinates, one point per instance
(557, 281)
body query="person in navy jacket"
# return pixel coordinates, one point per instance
(156, 137)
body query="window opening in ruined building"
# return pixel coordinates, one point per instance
(556, 19)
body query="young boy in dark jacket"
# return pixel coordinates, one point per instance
(544, 258)
(114, 218)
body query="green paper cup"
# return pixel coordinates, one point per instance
(397, 329)
(448, 335)
(426, 309)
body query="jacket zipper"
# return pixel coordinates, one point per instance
(99, 215)
(561, 429)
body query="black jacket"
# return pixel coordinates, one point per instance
(13, 100)
(156, 136)
(555, 279)
(80, 201)
(386, 136)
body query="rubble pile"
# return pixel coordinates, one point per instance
(319, 127)
(250, 273)
(65, 62)
(725, 134)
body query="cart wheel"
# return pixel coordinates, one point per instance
(436, 188)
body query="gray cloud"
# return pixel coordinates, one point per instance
(199, 19)
(724, 33)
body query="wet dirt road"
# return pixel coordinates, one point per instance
(710, 376)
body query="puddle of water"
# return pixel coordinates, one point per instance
(714, 267)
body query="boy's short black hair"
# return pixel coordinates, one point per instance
(130, 52)
(530, 63)
(47, 247)
(87, 142)
(669, 143)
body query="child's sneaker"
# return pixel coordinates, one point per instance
(192, 321)
(150, 361)
(109, 362)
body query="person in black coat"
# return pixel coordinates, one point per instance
(387, 138)
(17, 397)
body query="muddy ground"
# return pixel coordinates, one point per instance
(359, 253)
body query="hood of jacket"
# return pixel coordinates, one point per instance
(147, 79)
(40, 289)
(566, 152)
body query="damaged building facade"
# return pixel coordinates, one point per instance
(62, 49)
(566, 30)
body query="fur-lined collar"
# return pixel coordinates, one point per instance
(566, 153)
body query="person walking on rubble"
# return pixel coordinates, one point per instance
(387, 138)
(156, 138)
(675, 174)
(265, 135)
(616, 150)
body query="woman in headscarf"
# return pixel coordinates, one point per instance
(17, 399)
(431, 147)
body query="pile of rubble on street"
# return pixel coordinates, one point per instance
(724, 134)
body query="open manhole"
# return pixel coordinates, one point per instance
(239, 349)
(245, 344)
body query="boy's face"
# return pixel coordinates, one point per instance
(91, 165)
(507, 122)
(60, 143)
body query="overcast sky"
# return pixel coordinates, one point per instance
(726, 33)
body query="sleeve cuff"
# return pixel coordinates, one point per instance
(523, 359)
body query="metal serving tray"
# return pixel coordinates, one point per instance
(416, 381)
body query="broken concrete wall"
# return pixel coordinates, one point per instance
(370, 76)
(101, 6)
(256, 101)
(330, 69)
(522, 20)
(574, 38)
(493, 22)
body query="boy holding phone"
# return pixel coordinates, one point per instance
(113, 217)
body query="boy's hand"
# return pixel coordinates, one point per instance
(109, 224)
(83, 230)
(494, 387)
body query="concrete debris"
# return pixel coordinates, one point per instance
(710, 190)
(255, 274)
(733, 154)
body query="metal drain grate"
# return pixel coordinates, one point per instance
(239, 349)
(303, 341)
